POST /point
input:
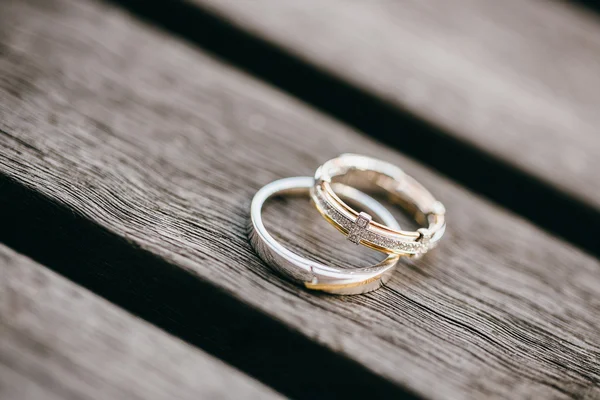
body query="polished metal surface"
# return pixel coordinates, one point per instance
(311, 274)
(361, 171)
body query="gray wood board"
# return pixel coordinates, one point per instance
(517, 79)
(165, 146)
(59, 341)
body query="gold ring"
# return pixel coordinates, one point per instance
(363, 173)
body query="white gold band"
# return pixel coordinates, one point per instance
(309, 273)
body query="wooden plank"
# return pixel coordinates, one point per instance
(59, 341)
(516, 79)
(160, 144)
(431, 140)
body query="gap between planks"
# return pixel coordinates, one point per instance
(60, 341)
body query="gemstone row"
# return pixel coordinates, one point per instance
(370, 236)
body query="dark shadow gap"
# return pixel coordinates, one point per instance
(541, 203)
(592, 5)
(178, 302)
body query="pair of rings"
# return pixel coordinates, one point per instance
(346, 177)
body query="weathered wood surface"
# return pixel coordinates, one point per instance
(519, 79)
(59, 341)
(164, 146)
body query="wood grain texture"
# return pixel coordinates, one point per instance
(518, 79)
(165, 146)
(59, 341)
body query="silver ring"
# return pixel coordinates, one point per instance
(312, 274)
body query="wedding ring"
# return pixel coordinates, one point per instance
(360, 172)
(311, 274)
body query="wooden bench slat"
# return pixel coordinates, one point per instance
(58, 340)
(518, 79)
(164, 146)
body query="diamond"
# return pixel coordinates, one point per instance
(359, 228)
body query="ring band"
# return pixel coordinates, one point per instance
(309, 273)
(359, 171)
